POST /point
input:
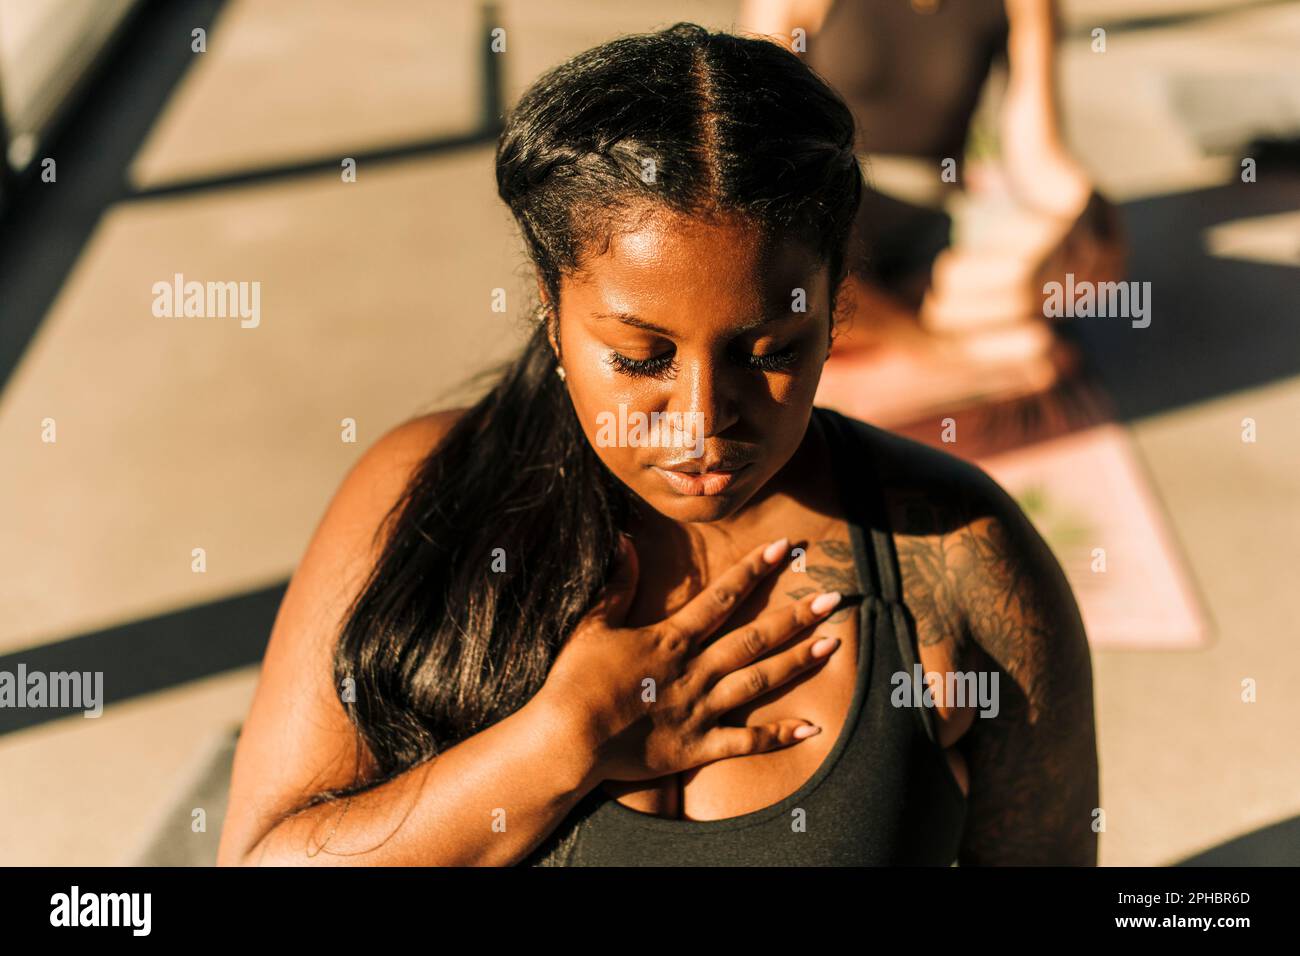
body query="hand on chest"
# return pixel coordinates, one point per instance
(823, 696)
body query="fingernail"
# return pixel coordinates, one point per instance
(824, 602)
(823, 647)
(776, 551)
(807, 730)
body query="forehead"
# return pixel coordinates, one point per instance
(669, 257)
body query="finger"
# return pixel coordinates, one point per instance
(709, 609)
(620, 590)
(765, 633)
(723, 742)
(750, 683)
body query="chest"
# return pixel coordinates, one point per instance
(822, 561)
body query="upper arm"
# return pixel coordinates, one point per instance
(988, 596)
(297, 739)
(1033, 766)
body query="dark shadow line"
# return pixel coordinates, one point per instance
(150, 655)
(1277, 844)
(46, 225)
(264, 174)
(63, 113)
(1219, 325)
(491, 118)
(1155, 21)
(100, 132)
(6, 171)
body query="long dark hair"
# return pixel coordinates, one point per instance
(442, 642)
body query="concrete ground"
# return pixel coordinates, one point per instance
(182, 434)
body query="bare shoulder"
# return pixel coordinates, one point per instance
(987, 594)
(396, 452)
(423, 432)
(350, 534)
(956, 532)
(956, 528)
(913, 472)
(297, 738)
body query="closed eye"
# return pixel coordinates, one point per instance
(774, 361)
(657, 367)
(665, 365)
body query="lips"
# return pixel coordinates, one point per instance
(701, 478)
(706, 464)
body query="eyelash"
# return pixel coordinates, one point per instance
(662, 365)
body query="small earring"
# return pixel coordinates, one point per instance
(559, 370)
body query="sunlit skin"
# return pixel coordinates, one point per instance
(709, 306)
(707, 303)
(983, 590)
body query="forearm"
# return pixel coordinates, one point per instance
(488, 801)
(778, 19)
(1038, 164)
(765, 17)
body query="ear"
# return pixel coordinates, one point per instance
(550, 337)
(549, 316)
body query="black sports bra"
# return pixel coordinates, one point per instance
(884, 795)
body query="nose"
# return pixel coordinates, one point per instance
(703, 397)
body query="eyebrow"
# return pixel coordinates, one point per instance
(627, 318)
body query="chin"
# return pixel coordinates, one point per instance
(699, 509)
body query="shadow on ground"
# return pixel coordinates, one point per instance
(1217, 325)
(1276, 845)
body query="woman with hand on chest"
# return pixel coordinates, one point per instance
(559, 650)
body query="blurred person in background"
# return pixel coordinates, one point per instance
(963, 319)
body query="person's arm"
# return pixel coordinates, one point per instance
(1039, 167)
(777, 19)
(489, 800)
(1033, 767)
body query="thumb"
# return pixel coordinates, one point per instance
(619, 591)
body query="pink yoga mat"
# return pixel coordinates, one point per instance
(1087, 491)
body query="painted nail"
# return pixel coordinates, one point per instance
(807, 730)
(776, 551)
(824, 647)
(824, 602)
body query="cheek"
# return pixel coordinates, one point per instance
(792, 398)
(794, 393)
(594, 387)
(597, 391)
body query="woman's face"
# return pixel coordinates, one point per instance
(692, 350)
